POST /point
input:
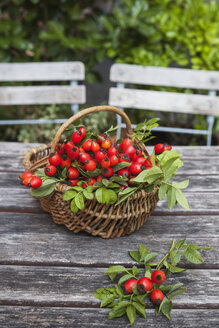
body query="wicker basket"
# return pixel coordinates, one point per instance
(106, 221)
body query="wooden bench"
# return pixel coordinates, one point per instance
(166, 101)
(73, 94)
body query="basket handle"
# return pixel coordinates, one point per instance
(87, 111)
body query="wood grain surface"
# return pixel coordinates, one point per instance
(59, 71)
(48, 274)
(164, 101)
(165, 76)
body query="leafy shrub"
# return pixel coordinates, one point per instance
(182, 33)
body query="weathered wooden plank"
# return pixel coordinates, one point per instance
(164, 101)
(200, 202)
(48, 94)
(63, 286)
(196, 183)
(35, 238)
(58, 317)
(163, 76)
(47, 71)
(177, 226)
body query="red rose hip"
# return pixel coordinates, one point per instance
(158, 277)
(157, 296)
(72, 173)
(144, 285)
(54, 159)
(35, 182)
(50, 170)
(128, 285)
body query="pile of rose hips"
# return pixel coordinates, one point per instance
(145, 285)
(91, 154)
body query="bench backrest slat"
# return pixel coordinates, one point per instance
(162, 76)
(55, 71)
(36, 95)
(164, 101)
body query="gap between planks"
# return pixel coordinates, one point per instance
(83, 305)
(97, 265)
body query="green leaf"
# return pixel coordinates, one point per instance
(112, 276)
(115, 269)
(40, 173)
(131, 313)
(140, 309)
(63, 174)
(171, 172)
(148, 176)
(101, 293)
(204, 248)
(114, 186)
(74, 207)
(169, 162)
(122, 198)
(104, 195)
(89, 189)
(79, 201)
(106, 300)
(135, 255)
(170, 288)
(174, 269)
(69, 194)
(88, 195)
(118, 310)
(192, 254)
(166, 307)
(180, 243)
(171, 197)
(162, 190)
(120, 166)
(140, 299)
(143, 250)
(181, 185)
(175, 257)
(127, 191)
(119, 290)
(135, 290)
(77, 188)
(135, 270)
(147, 272)
(181, 199)
(47, 187)
(112, 129)
(124, 278)
(176, 293)
(149, 257)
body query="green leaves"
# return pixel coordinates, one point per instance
(131, 313)
(148, 176)
(181, 199)
(106, 196)
(131, 304)
(143, 130)
(192, 254)
(47, 187)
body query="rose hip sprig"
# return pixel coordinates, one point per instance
(132, 289)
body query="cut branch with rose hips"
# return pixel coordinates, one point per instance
(129, 294)
(93, 166)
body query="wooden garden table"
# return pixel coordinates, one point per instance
(48, 274)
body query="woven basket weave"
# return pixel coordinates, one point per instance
(106, 221)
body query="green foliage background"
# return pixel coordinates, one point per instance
(182, 33)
